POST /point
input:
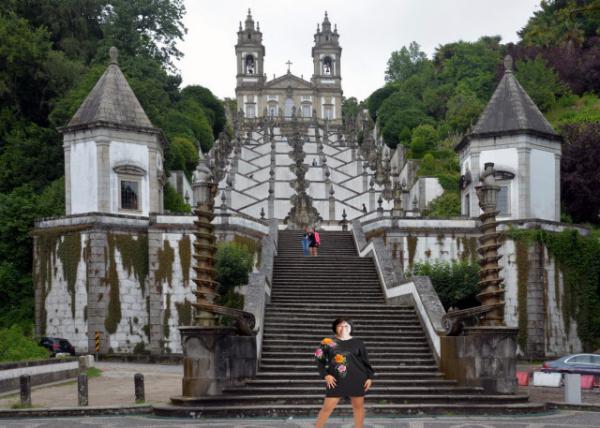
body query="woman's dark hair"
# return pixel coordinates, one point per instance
(340, 320)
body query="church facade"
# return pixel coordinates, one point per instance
(289, 95)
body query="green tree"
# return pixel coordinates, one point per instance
(148, 28)
(350, 108)
(541, 82)
(234, 262)
(405, 63)
(424, 140)
(213, 107)
(463, 110)
(173, 201)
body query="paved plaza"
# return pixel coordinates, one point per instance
(115, 387)
(556, 420)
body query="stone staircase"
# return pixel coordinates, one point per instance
(308, 293)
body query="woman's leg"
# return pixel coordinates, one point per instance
(328, 406)
(358, 409)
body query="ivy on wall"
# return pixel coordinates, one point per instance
(578, 258)
(185, 258)
(134, 255)
(166, 257)
(113, 318)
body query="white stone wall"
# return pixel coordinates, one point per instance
(84, 177)
(135, 154)
(445, 247)
(175, 293)
(543, 195)
(134, 314)
(59, 315)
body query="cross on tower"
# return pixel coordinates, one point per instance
(289, 63)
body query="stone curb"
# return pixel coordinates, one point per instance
(77, 411)
(566, 406)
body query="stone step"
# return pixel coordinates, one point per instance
(271, 356)
(388, 398)
(373, 349)
(303, 335)
(280, 315)
(295, 322)
(238, 410)
(365, 329)
(312, 375)
(428, 365)
(309, 360)
(425, 379)
(317, 299)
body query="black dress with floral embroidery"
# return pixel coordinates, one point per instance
(348, 362)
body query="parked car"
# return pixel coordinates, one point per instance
(575, 363)
(56, 345)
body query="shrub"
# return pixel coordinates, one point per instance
(233, 263)
(455, 283)
(15, 346)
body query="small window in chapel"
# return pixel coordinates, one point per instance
(129, 195)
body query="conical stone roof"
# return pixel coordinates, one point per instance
(111, 102)
(511, 111)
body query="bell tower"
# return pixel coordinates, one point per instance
(250, 75)
(326, 53)
(327, 74)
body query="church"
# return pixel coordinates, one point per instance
(117, 265)
(289, 94)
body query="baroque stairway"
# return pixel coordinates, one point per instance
(308, 293)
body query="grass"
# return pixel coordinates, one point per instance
(16, 406)
(94, 372)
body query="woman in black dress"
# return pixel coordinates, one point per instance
(344, 365)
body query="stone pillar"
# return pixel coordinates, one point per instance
(25, 390)
(67, 150)
(154, 296)
(524, 174)
(557, 157)
(103, 162)
(214, 358)
(153, 182)
(475, 171)
(82, 390)
(483, 357)
(536, 307)
(138, 382)
(97, 297)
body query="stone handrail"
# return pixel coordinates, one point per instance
(258, 289)
(417, 291)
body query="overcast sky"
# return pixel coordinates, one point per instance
(369, 31)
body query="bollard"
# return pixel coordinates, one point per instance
(573, 388)
(82, 389)
(25, 381)
(138, 381)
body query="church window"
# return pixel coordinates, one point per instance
(328, 112)
(467, 210)
(130, 195)
(250, 110)
(249, 64)
(327, 66)
(289, 106)
(503, 201)
(306, 110)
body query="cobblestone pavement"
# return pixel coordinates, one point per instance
(557, 420)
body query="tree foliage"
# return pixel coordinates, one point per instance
(233, 264)
(52, 52)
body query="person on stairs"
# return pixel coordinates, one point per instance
(344, 365)
(305, 241)
(315, 241)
